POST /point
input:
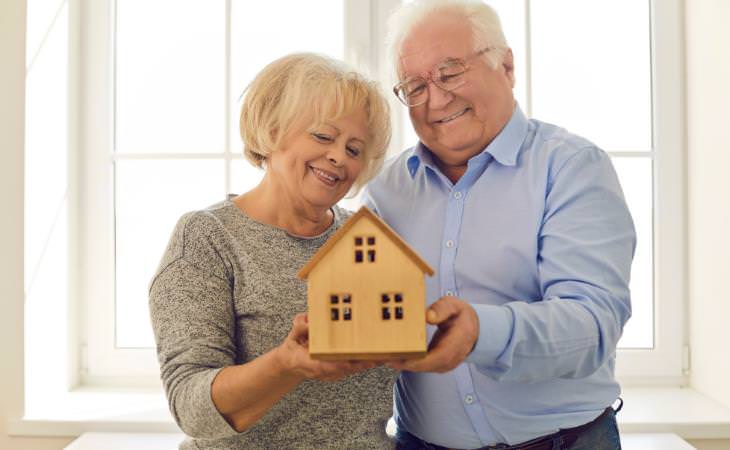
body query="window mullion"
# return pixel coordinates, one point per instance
(227, 188)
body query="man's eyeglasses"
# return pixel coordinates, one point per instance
(448, 76)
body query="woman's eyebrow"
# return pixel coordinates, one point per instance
(354, 138)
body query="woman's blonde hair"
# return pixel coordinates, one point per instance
(306, 85)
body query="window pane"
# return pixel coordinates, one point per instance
(635, 175)
(591, 69)
(244, 176)
(46, 137)
(151, 195)
(170, 76)
(264, 31)
(512, 16)
(41, 17)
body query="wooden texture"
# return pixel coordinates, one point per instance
(367, 335)
(364, 212)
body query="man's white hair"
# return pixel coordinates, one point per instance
(482, 18)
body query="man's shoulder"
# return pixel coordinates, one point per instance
(555, 136)
(555, 144)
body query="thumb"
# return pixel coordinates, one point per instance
(442, 310)
(431, 317)
(300, 328)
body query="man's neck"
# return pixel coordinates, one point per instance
(453, 173)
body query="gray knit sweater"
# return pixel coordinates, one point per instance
(225, 293)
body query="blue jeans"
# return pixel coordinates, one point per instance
(602, 434)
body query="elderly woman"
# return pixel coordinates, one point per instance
(226, 303)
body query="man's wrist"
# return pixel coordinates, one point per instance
(494, 328)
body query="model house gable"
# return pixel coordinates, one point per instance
(364, 242)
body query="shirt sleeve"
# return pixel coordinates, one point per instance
(585, 247)
(191, 308)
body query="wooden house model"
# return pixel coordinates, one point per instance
(366, 294)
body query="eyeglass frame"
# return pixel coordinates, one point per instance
(431, 79)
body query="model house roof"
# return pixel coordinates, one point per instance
(364, 212)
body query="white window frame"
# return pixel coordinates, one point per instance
(101, 364)
(666, 364)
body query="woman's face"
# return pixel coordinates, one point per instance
(317, 165)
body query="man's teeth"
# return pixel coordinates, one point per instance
(453, 116)
(324, 175)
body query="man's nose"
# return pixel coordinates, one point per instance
(438, 97)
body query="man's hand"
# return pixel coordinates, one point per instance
(458, 330)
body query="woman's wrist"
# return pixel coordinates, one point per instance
(282, 364)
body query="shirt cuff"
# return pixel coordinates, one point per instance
(495, 328)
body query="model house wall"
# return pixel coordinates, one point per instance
(366, 294)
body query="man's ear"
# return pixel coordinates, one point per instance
(508, 63)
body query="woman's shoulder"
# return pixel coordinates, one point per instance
(208, 220)
(199, 235)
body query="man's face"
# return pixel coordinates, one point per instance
(456, 125)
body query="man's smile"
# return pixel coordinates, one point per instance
(456, 115)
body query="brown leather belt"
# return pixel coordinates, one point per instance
(567, 437)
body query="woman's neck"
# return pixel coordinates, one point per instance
(269, 204)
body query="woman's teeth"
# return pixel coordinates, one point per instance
(322, 174)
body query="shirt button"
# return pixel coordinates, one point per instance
(449, 243)
(457, 195)
(469, 399)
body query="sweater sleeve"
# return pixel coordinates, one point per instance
(191, 308)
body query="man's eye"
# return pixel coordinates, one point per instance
(415, 90)
(354, 152)
(445, 77)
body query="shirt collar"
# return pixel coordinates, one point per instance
(503, 148)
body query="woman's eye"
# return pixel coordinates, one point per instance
(354, 152)
(322, 137)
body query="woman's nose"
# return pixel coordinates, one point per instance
(336, 155)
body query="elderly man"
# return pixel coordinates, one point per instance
(532, 240)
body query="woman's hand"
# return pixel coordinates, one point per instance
(244, 393)
(293, 356)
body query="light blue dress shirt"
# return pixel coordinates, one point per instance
(536, 235)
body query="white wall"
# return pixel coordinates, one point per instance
(708, 100)
(12, 115)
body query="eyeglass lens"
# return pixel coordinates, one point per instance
(447, 76)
